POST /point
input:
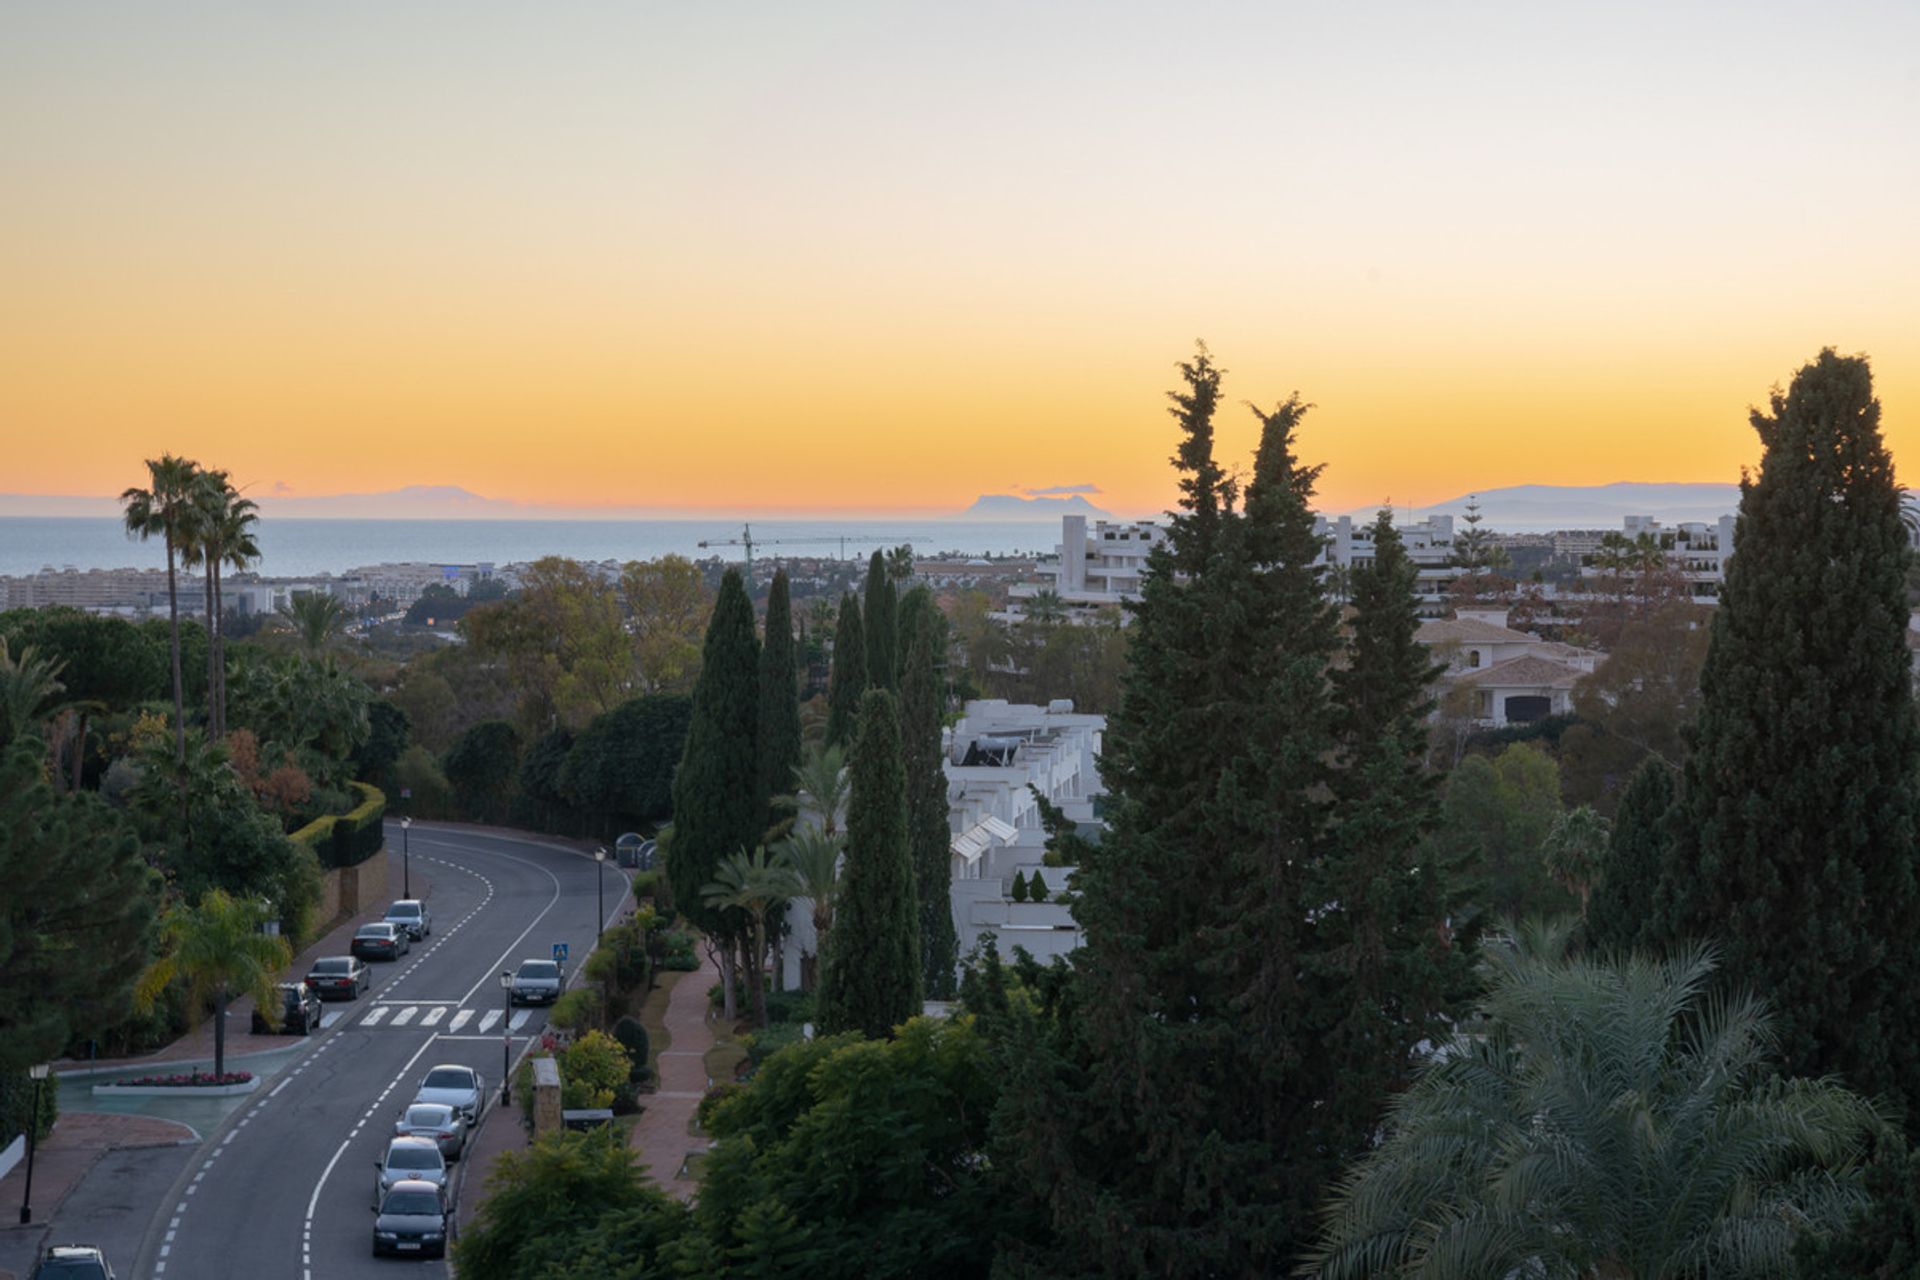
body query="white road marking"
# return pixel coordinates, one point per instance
(405, 1016)
(434, 1015)
(460, 1019)
(373, 1016)
(519, 1019)
(488, 1018)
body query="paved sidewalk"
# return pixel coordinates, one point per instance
(664, 1135)
(197, 1044)
(61, 1163)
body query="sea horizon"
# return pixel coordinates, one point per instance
(313, 545)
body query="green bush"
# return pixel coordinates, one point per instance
(591, 1069)
(714, 1097)
(790, 1006)
(762, 1045)
(653, 884)
(679, 950)
(16, 1105)
(576, 1010)
(1037, 888)
(1019, 893)
(347, 839)
(633, 1038)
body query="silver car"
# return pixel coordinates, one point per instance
(537, 982)
(437, 1123)
(412, 915)
(461, 1088)
(409, 1159)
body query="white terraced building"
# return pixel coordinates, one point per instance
(995, 752)
(1097, 568)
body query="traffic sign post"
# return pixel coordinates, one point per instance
(559, 953)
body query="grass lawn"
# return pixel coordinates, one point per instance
(653, 1016)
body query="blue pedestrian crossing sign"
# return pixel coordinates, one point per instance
(559, 953)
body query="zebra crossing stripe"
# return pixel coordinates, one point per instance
(373, 1016)
(488, 1018)
(519, 1019)
(406, 1015)
(460, 1020)
(434, 1015)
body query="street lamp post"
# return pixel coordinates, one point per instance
(406, 860)
(506, 1040)
(600, 893)
(39, 1073)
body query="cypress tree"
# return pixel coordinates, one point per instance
(716, 806)
(870, 982)
(882, 643)
(848, 679)
(1795, 841)
(921, 705)
(1384, 971)
(1621, 908)
(1177, 1123)
(779, 699)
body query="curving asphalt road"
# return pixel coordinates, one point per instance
(283, 1188)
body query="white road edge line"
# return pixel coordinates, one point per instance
(313, 1202)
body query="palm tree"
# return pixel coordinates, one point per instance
(1045, 607)
(1575, 848)
(813, 855)
(756, 886)
(1600, 1121)
(199, 782)
(28, 685)
(820, 786)
(226, 540)
(315, 618)
(166, 507)
(217, 949)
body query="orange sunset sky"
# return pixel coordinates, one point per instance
(780, 257)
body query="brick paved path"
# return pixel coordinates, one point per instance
(663, 1135)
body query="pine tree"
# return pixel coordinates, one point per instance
(779, 699)
(1795, 845)
(848, 679)
(1621, 908)
(921, 705)
(882, 643)
(1385, 970)
(1177, 1125)
(716, 807)
(1018, 893)
(871, 977)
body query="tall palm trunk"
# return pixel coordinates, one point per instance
(756, 963)
(179, 698)
(220, 1033)
(217, 637)
(213, 723)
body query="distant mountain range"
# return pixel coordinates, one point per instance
(1007, 506)
(1538, 507)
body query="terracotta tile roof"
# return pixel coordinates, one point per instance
(1526, 671)
(1470, 631)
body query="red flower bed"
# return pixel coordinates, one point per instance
(199, 1079)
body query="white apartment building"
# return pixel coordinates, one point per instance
(404, 583)
(995, 752)
(1097, 568)
(127, 591)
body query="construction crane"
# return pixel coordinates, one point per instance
(747, 541)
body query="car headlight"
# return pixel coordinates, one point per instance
(430, 1235)
(385, 1235)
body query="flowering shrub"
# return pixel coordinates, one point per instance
(200, 1079)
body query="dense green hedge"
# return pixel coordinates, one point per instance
(16, 1105)
(348, 839)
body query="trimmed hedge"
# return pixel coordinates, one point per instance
(348, 839)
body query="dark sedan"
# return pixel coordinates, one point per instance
(299, 1011)
(342, 976)
(381, 941)
(412, 1219)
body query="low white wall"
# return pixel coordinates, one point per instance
(15, 1152)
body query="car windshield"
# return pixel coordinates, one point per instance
(375, 931)
(449, 1078)
(429, 1117)
(332, 966)
(414, 1158)
(539, 969)
(412, 1204)
(404, 909)
(292, 995)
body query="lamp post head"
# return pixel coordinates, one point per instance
(406, 822)
(600, 855)
(39, 1070)
(506, 980)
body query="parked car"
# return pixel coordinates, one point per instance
(461, 1088)
(341, 976)
(299, 1011)
(409, 1159)
(438, 1123)
(537, 982)
(381, 941)
(73, 1262)
(412, 915)
(411, 1218)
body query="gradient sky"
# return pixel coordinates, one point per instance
(892, 256)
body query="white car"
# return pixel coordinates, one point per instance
(461, 1088)
(410, 1160)
(412, 915)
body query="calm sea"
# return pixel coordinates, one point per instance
(296, 548)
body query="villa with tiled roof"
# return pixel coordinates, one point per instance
(1515, 676)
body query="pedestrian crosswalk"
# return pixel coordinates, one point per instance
(441, 1017)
